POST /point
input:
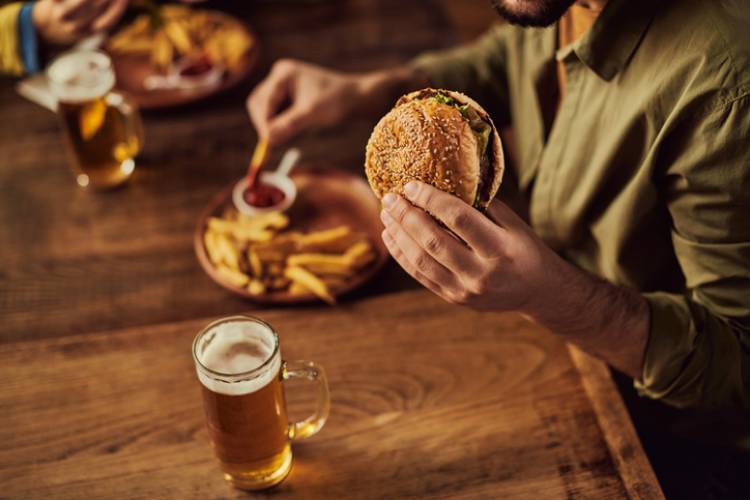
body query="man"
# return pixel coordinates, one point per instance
(631, 121)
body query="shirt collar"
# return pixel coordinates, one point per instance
(610, 43)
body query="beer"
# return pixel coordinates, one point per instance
(102, 129)
(238, 362)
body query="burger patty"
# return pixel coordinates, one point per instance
(485, 171)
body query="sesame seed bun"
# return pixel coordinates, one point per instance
(431, 141)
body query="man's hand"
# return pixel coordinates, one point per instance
(497, 263)
(500, 264)
(67, 21)
(296, 96)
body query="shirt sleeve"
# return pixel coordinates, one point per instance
(10, 53)
(698, 352)
(28, 39)
(478, 70)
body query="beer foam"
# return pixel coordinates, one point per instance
(81, 76)
(238, 347)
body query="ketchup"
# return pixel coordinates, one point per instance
(263, 195)
(197, 67)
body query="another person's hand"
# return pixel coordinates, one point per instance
(67, 21)
(298, 95)
(503, 265)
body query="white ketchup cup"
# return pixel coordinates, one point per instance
(279, 178)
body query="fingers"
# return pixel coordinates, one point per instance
(469, 224)
(264, 102)
(419, 260)
(110, 15)
(283, 127)
(423, 229)
(79, 13)
(407, 265)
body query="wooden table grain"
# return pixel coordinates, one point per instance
(428, 400)
(101, 295)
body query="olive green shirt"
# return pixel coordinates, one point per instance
(642, 174)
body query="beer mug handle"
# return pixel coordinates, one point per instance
(314, 373)
(131, 121)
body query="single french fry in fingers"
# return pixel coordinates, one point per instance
(310, 281)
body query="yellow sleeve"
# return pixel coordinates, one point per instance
(10, 53)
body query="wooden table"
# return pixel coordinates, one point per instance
(101, 294)
(428, 400)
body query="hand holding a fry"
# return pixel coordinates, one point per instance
(67, 21)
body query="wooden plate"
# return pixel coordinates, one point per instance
(326, 198)
(132, 70)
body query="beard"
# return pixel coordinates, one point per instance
(536, 13)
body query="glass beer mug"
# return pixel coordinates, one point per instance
(103, 131)
(239, 366)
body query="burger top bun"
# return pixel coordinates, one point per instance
(425, 139)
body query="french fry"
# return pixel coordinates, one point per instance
(128, 45)
(297, 288)
(238, 231)
(311, 282)
(277, 248)
(360, 254)
(209, 242)
(256, 265)
(232, 276)
(230, 256)
(321, 263)
(358, 249)
(178, 36)
(162, 51)
(256, 287)
(328, 241)
(272, 220)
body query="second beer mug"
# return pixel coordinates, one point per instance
(239, 365)
(103, 131)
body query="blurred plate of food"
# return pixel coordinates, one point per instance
(326, 245)
(172, 55)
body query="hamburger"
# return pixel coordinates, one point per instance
(439, 137)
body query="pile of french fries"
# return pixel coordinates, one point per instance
(258, 254)
(178, 31)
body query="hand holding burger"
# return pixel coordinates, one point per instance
(441, 151)
(432, 150)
